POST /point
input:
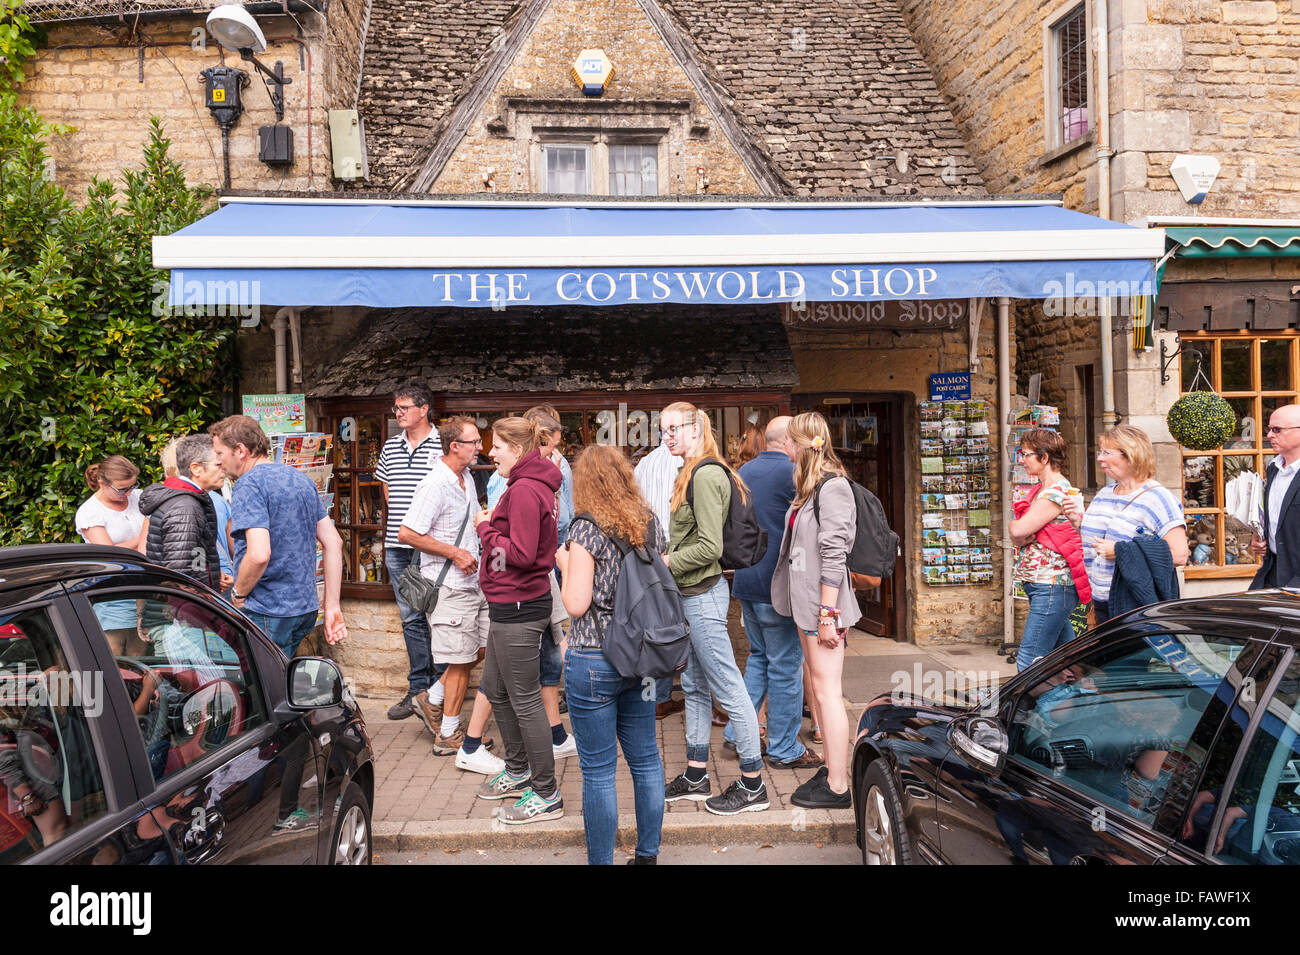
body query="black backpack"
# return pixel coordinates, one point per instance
(648, 635)
(744, 542)
(875, 546)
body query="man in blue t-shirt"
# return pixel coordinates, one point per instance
(775, 666)
(277, 518)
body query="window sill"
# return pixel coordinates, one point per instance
(1060, 152)
(1203, 572)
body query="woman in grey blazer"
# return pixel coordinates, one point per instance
(812, 585)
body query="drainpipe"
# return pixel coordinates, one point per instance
(1004, 435)
(1108, 416)
(280, 323)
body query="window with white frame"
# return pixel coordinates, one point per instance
(568, 169)
(634, 169)
(1067, 86)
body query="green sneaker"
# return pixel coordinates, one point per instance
(504, 786)
(295, 821)
(532, 808)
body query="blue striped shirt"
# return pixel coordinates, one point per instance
(1112, 516)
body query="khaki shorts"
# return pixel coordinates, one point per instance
(458, 626)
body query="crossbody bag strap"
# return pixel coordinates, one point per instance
(442, 575)
(1125, 508)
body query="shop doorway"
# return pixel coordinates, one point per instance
(867, 432)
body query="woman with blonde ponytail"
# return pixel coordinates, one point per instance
(111, 516)
(811, 584)
(694, 557)
(519, 540)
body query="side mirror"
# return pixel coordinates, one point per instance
(314, 682)
(981, 742)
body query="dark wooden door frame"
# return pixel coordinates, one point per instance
(896, 505)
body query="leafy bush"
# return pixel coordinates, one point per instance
(1202, 421)
(91, 363)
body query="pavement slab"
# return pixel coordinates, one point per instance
(423, 802)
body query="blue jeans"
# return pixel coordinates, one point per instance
(287, 632)
(1048, 625)
(607, 711)
(415, 625)
(711, 671)
(774, 671)
(550, 666)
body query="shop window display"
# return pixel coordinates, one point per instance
(1256, 374)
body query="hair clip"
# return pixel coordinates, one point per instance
(818, 441)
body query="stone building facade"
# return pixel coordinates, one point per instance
(1214, 78)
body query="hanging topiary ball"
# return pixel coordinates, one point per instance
(1202, 421)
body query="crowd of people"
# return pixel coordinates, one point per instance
(526, 585)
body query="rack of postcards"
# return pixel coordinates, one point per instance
(310, 454)
(956, 497)
(1033, 416)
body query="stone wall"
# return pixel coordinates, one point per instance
(106, 85)
(889, 361)
(537, 90)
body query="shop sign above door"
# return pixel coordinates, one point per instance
(937, 314)
(950, 386)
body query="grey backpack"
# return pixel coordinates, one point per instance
(648, 635)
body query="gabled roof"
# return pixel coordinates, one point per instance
(832, 99)
(835, 91)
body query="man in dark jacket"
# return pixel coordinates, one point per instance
(182, 521)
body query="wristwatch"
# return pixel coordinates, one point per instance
(237, 595)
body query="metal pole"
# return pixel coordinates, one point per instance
(1004, 436)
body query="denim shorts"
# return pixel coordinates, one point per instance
(551, 666)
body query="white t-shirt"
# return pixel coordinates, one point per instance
(122, 526)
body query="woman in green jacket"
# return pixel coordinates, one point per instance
(694, 552)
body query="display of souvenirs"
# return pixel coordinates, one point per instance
(956, 459)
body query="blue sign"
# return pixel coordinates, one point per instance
(953, 385)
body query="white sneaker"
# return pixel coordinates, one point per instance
(479, 761)
(568, 748)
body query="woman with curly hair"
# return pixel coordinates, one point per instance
(607, 709)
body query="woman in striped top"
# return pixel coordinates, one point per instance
(1135, 503)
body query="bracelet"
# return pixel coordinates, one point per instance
(825, 611)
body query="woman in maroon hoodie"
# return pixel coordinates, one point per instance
(1049, 564)
(518, 551)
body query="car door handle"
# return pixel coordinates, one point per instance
(918, 792)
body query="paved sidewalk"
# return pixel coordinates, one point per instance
(423, 802)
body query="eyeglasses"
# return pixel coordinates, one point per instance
(124, 490)
(674, 429)
(398, 409)
(477, 444)
(1274, 429)
(1108, 453)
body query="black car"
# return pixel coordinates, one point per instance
(144, 720)
(1171, 735)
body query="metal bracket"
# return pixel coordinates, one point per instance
(1167, 357)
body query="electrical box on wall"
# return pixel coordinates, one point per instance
(348, 145)
(276, 145)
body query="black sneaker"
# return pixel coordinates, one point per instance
(816, 793)
(737, 799)
(402, 708)
(683, 788)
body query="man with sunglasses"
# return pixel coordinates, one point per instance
(1279, 548)
(439, 525)
(406, 459)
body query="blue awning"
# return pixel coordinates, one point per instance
(391, 254)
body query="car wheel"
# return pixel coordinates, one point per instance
(352, 842)
(880, 818)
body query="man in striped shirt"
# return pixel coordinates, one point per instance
(404, 462)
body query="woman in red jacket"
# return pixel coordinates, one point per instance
(1048, 547)
(518, 540)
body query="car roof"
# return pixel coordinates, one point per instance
(42, 563)
(1267, 609)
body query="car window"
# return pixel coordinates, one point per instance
(50, 779)
(1119, 723)
(188, 671)
(1261, 821)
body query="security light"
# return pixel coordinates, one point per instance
(235, 29)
